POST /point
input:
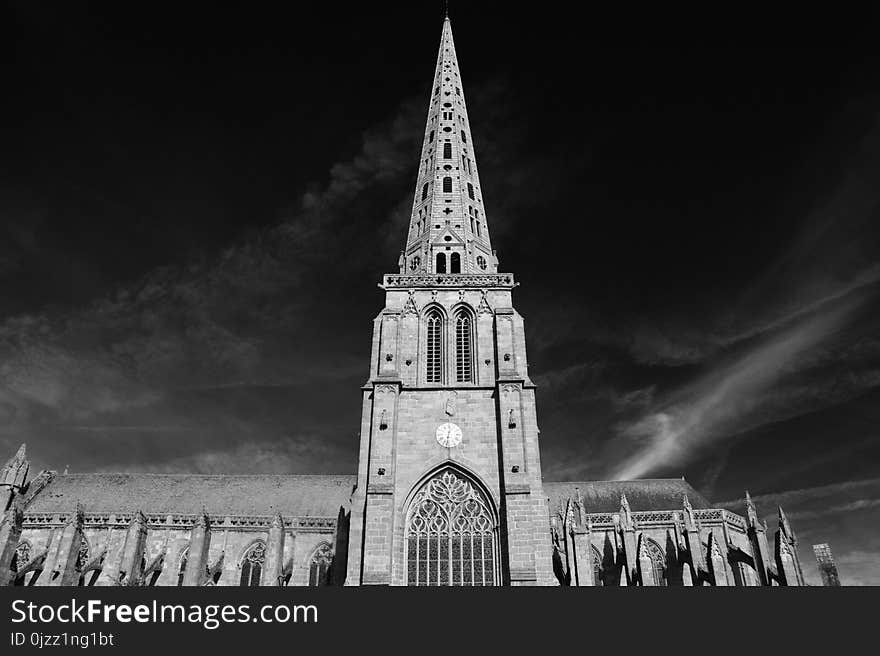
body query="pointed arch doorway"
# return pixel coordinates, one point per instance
(451, 533)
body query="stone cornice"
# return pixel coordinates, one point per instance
(157, 521)
(449, 281)
(654, 518)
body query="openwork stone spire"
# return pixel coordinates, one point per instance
(448, 231)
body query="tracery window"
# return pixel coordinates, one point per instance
(252, 565)
(658, 561)
(463, 347)
(319, 565)
(451, 535)
(434, 350)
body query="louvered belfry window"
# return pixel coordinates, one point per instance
(463, 348)
(434, 352)
(451, 535)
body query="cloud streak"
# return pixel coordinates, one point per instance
(719, 402)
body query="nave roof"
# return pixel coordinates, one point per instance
(291, 495)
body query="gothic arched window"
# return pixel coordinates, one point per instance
(455, 266)
(252, 565)
(471, 191)
(441, 263)
(447, 150)
(319, 565)
(451, 534)
(447, 185)
(464, 352)
(425, 191)
(658, 561)
(434, 351)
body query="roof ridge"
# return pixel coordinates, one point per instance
(93, 474)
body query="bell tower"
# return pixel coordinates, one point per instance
(449, 487)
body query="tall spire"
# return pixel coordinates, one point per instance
(447, 230)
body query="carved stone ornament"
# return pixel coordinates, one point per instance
(410, 307)
(493, 280)
(450, 403)
(484, 307)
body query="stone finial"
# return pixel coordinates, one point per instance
(715, 549)
(78, 514)
(751, 511)
(785, 526)
(15, 471)
(203, 521)
(716, 561)
(643, 548)
(690, 520)
(626, 513)
(582, 513)
(569, 516)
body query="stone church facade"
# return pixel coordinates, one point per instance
(449, 488)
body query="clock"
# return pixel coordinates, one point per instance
(448, 435)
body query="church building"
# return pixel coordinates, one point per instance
(448, 489)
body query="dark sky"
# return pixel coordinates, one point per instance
(196, 206)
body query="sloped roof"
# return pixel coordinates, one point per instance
(292, 496)
(647, 494)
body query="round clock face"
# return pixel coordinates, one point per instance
(448, 435)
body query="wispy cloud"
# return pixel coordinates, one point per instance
(706, 409)
(785, 325)
(190, 350)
